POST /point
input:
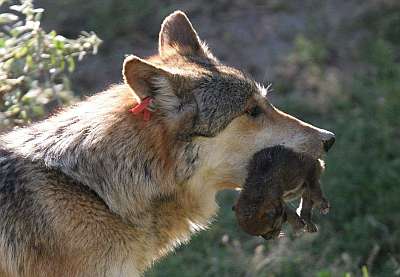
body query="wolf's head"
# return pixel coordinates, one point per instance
(214, 106)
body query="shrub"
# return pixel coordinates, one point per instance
(34, 64)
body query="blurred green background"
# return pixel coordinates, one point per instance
(333, 63)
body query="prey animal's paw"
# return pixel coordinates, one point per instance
(297, 223)
(311, 227)
(267, 236)
(324, 207)
(299, 230)
(273, 234)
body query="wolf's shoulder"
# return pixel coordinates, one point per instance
(22, 174)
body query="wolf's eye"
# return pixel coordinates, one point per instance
(254, 112)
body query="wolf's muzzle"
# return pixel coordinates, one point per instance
(329, 142)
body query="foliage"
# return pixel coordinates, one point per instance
(35, 64)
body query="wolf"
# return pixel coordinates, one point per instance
(108, 186)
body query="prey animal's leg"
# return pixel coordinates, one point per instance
(313, 197)
(313, 186)
(319, 200)
(294, 220)
(307, 205)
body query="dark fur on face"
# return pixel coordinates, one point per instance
(275, 174)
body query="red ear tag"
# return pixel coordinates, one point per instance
(146, 107)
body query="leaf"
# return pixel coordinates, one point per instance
(38, 10)
(17, 8)
(38, 110)
(7, 18)
(71, 64)
(23, 114)
(8, 64)
(53, 60)
(364, 271)
(53, 34)
(28, 63)
(21, 52)
(33, 25)
(62, 65)
(59, 42)
(14, 109)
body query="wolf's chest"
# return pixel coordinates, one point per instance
(172, 220)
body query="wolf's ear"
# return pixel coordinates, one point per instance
(141, 75)
(177, 35)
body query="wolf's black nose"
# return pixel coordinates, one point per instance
(328, 143)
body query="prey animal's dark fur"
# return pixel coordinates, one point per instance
(277, 174)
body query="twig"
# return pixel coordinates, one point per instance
(372, 256)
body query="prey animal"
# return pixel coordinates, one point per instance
(112, 184)
(278, 174)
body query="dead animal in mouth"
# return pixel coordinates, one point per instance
(278, 174)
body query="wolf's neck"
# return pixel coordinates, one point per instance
(99, 144)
